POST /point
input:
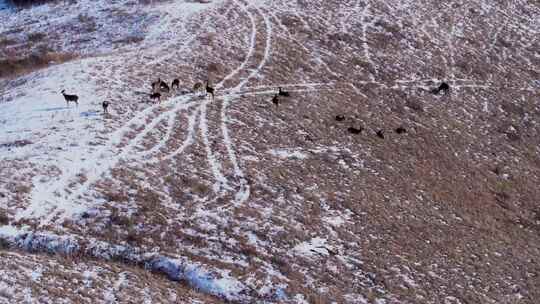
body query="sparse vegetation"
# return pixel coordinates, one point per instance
(26, 3)
(36, 37)
(18, 65)
(360, 187)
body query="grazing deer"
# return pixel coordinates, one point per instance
(163, 85)
(175, 82)
(380, 134)
(354, 130)
(401, 130)
(442, 87)
(156, 95)
(283, 93)
(340, 117)
(72, 98)
(209, 90)
(275, 100)
(105, 105)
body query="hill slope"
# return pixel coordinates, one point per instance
(247, 202)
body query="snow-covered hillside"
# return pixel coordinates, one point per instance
(313, 198)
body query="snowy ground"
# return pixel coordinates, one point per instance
(246, 202)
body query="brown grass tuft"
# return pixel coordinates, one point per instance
(4, 220)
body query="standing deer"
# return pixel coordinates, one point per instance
(72, 98)
(156, 95)
(175, 82)
(209, 90)
(275, 100)
(105, 105)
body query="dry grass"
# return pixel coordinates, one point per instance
(14, 66)
(56, 274)
(35, 37)
(29, 2)
(425, 204)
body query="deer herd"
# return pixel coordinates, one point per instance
(162, 86)
(443, 87)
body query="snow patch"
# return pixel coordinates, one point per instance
(287, 153)
(312, 247)
(215, 282)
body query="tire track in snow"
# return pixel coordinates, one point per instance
(71, 172)
(92, 169)
(192, 120)
(221, 182)
(68, 174)
(124, 154)
(367, 50)
(216, 167)
(170, 128)
(244, 190)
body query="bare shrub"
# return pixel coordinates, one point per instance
(15, 144)
(4, 220)
(26, 3)
(115, 196)
(130, 40)
(87, 22)
(201, 189)
(146, 2)
(248, 250)
(121, 220)
(134, 237)
(7, 42)
(36, 37)
(415, 105)
(4, 244)
(513, 108)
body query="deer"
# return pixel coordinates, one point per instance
(209, 90)
(283, 93)
(275, 100)
(163, 85)
(156, 95)
(105, 105)
(442, 87)
(401, 130)
(156, 85)
(340, 117)
(354, 130)
(175, 82)
(72, 98)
